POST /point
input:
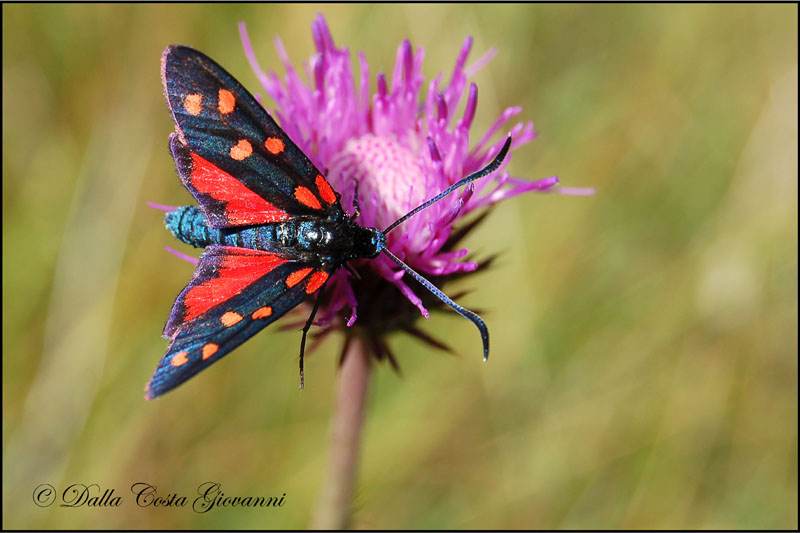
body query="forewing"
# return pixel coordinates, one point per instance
(226, 143)
(234, 293)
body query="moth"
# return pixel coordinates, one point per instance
(273, 228)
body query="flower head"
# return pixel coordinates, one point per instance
(399, 146)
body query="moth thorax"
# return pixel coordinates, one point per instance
(313, 235)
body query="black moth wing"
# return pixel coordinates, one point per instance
(218, 120)
(235, 292)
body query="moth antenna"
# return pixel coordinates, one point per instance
(485, 171)
(466, 313)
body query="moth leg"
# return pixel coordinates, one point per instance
(352, 271)
(356, 206)
(305, 332)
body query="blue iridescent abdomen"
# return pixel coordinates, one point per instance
(306, 238)
(188, 224)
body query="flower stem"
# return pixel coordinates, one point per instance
(334, 508)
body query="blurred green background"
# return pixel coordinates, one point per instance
(644, 369)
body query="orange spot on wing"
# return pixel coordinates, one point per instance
(316, 281)
(192, 104)
(262, 312)
(226, 101)
(230, 318)
(209, 350)
(307, 198)
(325, 190)
(244, 206)
(242, 150)
(297, 276)
(179, 359)
(274, 145)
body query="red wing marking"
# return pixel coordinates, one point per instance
(226, 101)
(234, 274)
(209, 350)
(316, 280)
(325, 190)
(179, 359)
(230, 318)
(242, 150)
(243, 205)
(192, 104)
(274, 145)
(297, 276)
(307, 198)
(262, 312)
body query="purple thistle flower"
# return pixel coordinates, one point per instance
(399, 150)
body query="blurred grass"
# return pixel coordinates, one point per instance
(644, 368)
